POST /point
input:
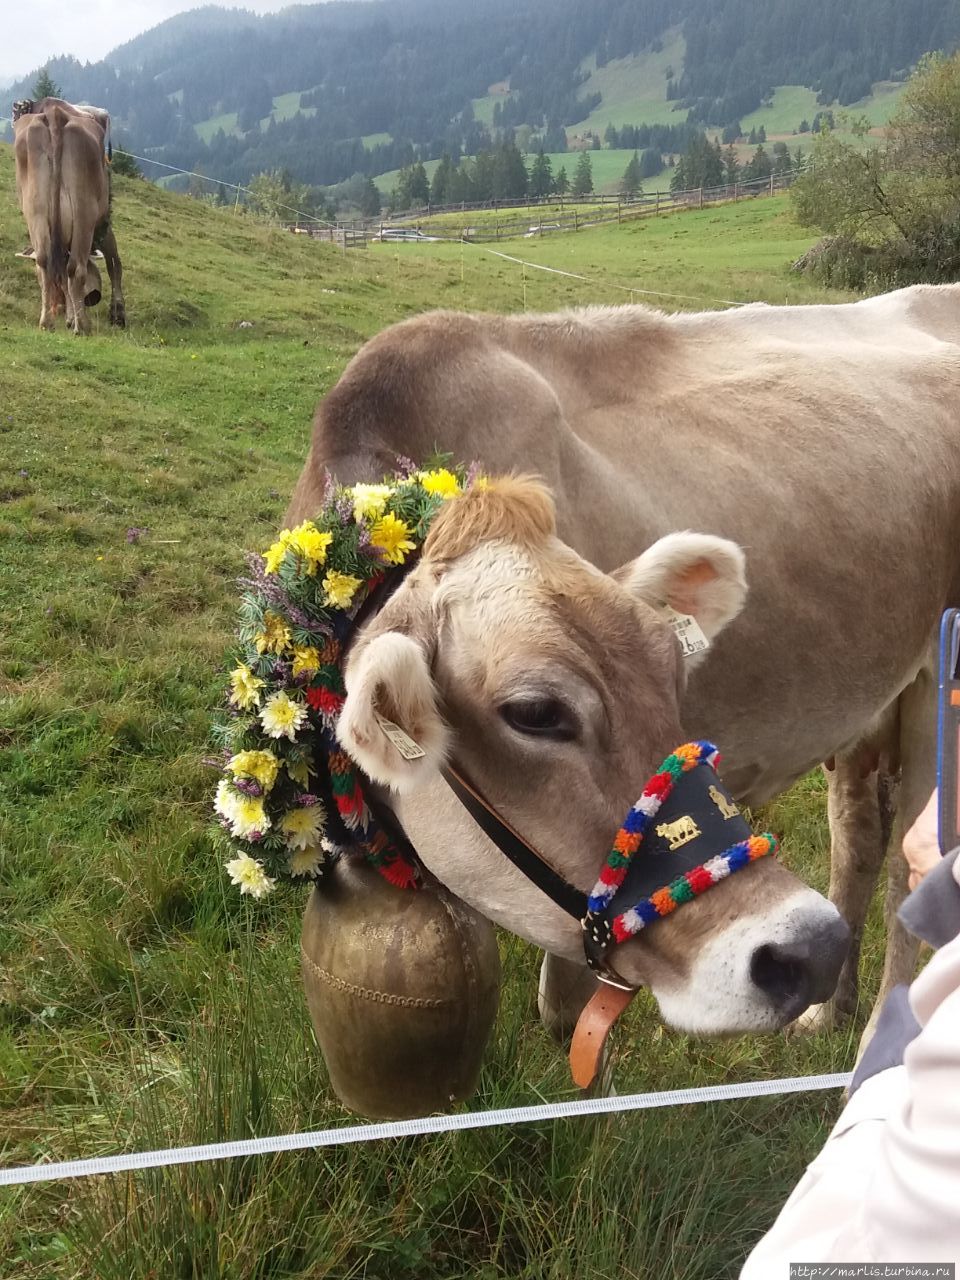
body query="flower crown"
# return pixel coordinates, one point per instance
(290, 798)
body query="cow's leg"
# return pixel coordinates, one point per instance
(118, 310)
(856, 856)
(49, 297)
(918, 755)
(77, 319)
(565, 987)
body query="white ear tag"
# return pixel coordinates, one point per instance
(687, 630)
(409, 749)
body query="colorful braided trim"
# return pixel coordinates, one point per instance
(637, 821)
(628, 839)
(690, 885)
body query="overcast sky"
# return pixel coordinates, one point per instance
(31, 31)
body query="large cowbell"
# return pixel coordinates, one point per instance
(403, 990)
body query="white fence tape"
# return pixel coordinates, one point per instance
(607, 284)
(416, 1128)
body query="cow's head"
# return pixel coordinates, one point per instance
(557, 688)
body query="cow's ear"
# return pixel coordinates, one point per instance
(391, 723)
(694, 573)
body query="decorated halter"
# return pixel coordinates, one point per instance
(290, 799)
(684, 810)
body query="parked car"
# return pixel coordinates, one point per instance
(402, 233)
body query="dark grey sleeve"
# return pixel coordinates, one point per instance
(932, 912)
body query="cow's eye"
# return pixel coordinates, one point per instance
(539, 717)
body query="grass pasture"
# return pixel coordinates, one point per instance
(142, 1004)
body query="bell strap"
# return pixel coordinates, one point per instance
(513, 846)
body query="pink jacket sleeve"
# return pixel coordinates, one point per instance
(886, 1186)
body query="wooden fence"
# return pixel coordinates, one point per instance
(586, 211)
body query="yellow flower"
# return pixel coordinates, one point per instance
(303, 827)
(340, 588)
(299, 771)
(281, 717)
(392, 537)
(440, 481)
(275, 635)
(307, 541)
(248, 815)
(369, 500)
(243, 688)
(306, 862)
(249, 874)
(274, 554)
(306, 660)
(263, 766)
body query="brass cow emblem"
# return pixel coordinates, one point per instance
(680, 832)
(726, 807)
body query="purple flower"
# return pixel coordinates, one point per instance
(249, 787)
(406, 467)
(134, 534)
(255, 837)
(307, 800)
(474, 472)
(343, 506)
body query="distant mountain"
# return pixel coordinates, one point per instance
(329, 90)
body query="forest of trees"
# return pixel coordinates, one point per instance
(408, 70)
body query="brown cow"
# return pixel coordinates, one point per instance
(825, 440)
(63, 187)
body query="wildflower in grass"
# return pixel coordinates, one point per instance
(249, 875)
(281, 717)
(392, 537)
(306, 660)
(441, 482)
(261, 765)
(369, 500)
(303, 827)
(306, 862)
(309, 543)
(340, 588)
(244, 688)
(275, 636)
(273, 556)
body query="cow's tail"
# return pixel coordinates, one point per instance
(57, 251)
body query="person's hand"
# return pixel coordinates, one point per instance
(920, 846)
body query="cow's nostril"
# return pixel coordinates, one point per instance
(782, 975)
(803, 971)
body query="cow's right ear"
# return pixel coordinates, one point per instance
(391, 723)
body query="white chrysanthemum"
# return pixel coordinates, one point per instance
(281, 717)
(303, 827)
(248, 874)
(306, 862)
(248, 816)
(225, 800)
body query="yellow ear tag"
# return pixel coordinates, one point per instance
(409, 749)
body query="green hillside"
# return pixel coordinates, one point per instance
(144, 1005)
(634, 88)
